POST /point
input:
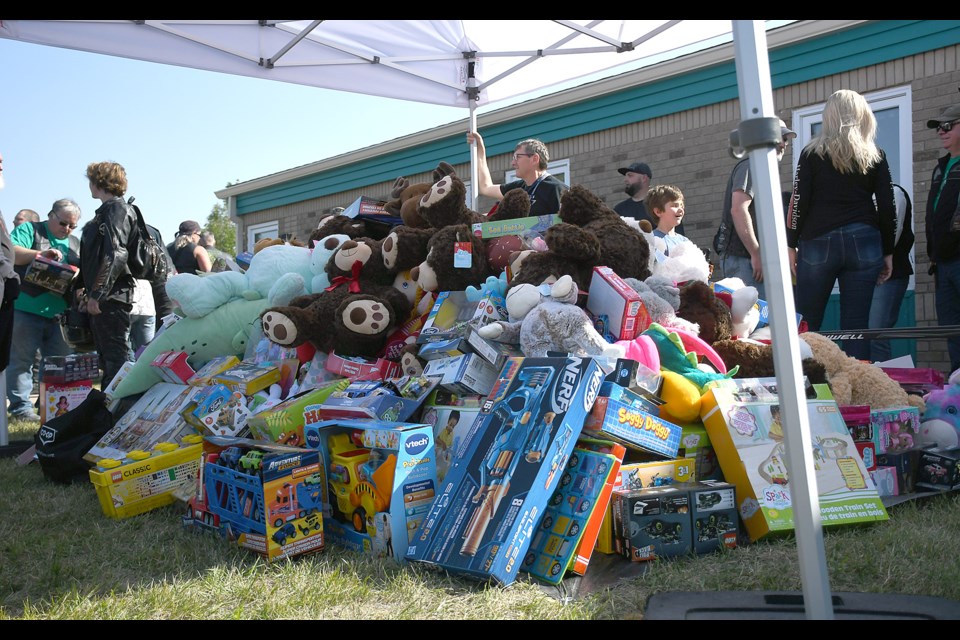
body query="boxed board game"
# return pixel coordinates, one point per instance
(381, 481)
(507, 468)
(146, 480)
(633, 421)
(153, 418)
(267, 496)
(567, 533)
(742, 417)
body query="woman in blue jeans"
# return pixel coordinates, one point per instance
(842, 222)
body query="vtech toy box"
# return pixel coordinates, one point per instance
(507, 468)
(381, 481)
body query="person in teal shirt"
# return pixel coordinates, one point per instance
(35, 327)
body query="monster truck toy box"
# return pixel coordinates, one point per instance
(381, 481)
(267, 496)
(507, 467)
(742, 420)
(652, 523)
(939, 469)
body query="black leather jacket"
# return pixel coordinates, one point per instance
(103, 252)
(943, 243)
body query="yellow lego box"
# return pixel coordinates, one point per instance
(146, 480)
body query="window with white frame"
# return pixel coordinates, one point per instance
(257, 232)
(892, 108)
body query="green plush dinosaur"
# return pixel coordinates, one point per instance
(675, 357)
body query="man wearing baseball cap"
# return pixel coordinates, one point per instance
(740, 257)
(636, 184)
(943, 226)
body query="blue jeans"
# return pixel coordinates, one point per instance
(31, 333)
(852, 254)
(142, 330)
(740, 267)
(884, 311)
(947, 282)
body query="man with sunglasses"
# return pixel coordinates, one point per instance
(35, 328)
(530, 158)
(943, 226)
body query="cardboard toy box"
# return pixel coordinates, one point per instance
(57, 399)
(155, 417)
(939, 469)
(451, 417)
(567, 533)
(392, 400)
(284, 422)
(741, 416)
(147, 481)
(507, 468)
(382, 479)
(50, 274)
(906, 464)
(695, 445)
(885, 479)
(205, 374)
(623, 420)
(652, 523)
(713, 510)
(612, 297)
(895, 429)
(529, 228)
(172, 366)
(452, 315)
(249, 377)
(465, 374)
(268, 497)
(357, 368)
(218, 410)
(71, 368)
(496, 353)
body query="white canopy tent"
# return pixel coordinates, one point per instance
(470, 63)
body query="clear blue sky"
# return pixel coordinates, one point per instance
(181, 134)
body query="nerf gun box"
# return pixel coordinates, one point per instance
(382, 479)
(507, 468)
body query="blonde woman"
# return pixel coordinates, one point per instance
(841, 225)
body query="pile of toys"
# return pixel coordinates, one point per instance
(489, 396)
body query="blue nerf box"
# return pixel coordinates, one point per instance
(632, 420)
(381, 480)
(507, 468)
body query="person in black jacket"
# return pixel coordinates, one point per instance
(888, 297)
(842, 222)
(943, 226)
(107, 285)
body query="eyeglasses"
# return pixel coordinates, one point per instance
(947, 127)
(517, 155)
(65, 225)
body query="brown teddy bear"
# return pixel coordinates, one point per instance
(404, 201)
(445, 204)
(570, 251)
(456, 259)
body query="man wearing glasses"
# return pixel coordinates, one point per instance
(943, 226)
(741, 256)
(530, 160)
(35, 328)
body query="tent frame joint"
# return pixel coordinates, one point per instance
(754, 133)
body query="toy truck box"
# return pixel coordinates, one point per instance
(451, 417)
(906, 464)
(218, 410)
(391, 400)
(624, 421)
(742, 418)
(713, 509)
(652, 523)
(465, 374)
(284, 422)
(496, 353)
(567, 533)
(939, 469)
(357, 368)
(381, 481)
(452, 315)
(610, 296)
(507, 468)
(50, 274)
(249, 377)
(146, 480)
(268, 497)
(155, 417)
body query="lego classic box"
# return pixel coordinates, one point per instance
(507, 468)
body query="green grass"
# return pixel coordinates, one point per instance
(61, 558)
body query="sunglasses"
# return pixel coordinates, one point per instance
(65, 225)
(947, 127)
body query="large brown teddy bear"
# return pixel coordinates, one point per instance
(354, 315)
(571, 251)
(442, 269)
(404, 201)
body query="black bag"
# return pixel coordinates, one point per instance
(146, 258)
(63, 441)
(722, 238)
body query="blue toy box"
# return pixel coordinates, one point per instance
(381, 480)
(507, 468)
(634, 421)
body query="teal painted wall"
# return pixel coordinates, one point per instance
(872, 43)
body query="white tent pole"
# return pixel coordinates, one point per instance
(472, 104)
(756, 102)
